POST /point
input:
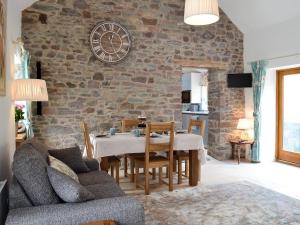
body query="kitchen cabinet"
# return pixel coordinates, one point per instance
(186, 82)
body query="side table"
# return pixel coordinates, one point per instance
(236, 146)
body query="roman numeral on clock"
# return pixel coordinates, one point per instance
(97, 41)
(124, 51)
(97, 49)
(102, 56)
(103, 27)
(124, 36)
(111, 27)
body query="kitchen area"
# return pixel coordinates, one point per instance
(195, 97)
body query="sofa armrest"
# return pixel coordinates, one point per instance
(123, 210)
(92, 164)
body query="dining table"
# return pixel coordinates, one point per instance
(126, 143)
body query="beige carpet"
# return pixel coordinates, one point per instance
(238, 203)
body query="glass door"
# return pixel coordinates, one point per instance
(288, 115)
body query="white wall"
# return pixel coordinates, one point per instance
(195, 88)
(268, 117)
(280, 40)
(7, 131)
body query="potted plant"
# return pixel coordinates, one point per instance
(19, 115)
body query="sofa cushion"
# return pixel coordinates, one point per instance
(106, 190)
(72, 157)
(17, 196)
(94, 177)
(63, 168)
(30, 169)
(40, 147)
(67, 188)
(92, 164)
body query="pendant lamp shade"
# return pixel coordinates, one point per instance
(201, 12)
(29, 90)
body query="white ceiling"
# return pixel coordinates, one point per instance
(251, 15)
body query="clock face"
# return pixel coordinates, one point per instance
(110, 42)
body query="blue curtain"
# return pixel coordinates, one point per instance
(259, 70)
(25, 63)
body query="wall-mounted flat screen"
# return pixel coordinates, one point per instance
(240, 80)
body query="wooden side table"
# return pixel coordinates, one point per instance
(20, 139)
(236, 146)
(106, 222)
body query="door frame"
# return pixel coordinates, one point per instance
(281, 155)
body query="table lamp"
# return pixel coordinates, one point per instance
(244, 125)
(29, 90)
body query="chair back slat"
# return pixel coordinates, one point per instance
(161, 127)
(87, 141)
(128, 124)
(166, 146)
(159, 147)
(197, 123)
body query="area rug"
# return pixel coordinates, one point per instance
(239, 203)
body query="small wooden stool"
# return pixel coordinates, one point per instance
(106, 222)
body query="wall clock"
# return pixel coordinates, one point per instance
(110, 42)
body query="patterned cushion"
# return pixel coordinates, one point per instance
(72, 157)
(67, 188)
(63, 168)
(30, 169)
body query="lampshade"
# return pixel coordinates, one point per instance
(245, 124)
(201, 12)
(29, 90)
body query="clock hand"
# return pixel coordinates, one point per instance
(112, 46)
(112, 36)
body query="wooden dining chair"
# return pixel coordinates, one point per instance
(127, 125)
(182, 156)
(114, 162)
(157, 161)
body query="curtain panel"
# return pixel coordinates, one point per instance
(22, 62)
(259, 70)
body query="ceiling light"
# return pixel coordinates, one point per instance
(201, 12)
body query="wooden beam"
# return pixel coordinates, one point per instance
(200, 64)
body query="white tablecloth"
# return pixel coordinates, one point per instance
(125, 143)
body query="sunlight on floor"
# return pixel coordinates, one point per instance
(273, 175)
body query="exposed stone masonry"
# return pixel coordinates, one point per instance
(56, 32)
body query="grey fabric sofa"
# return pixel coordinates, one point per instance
(110, 203)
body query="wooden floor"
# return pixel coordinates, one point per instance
(273, 175)
(130, 189)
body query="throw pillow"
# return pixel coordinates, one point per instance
(30, 168)
(67, 188)
(63, 168)
(72, 157)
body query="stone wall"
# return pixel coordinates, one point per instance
(56, 32)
